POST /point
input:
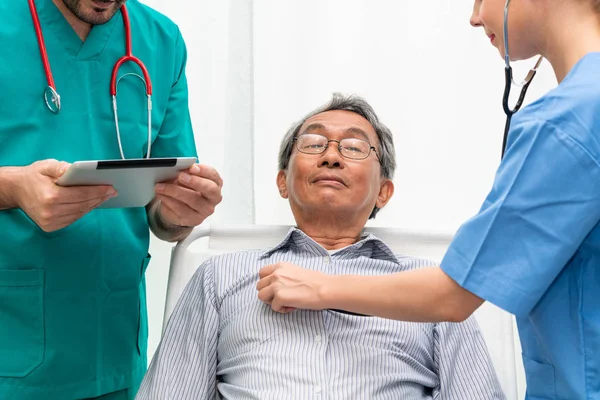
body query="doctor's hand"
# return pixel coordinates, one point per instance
(53, 207)
(191, 198)
(287, 287)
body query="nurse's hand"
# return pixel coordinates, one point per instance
(191, 198)
(286, 286)
(53, 207)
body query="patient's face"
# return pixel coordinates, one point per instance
(329, 181)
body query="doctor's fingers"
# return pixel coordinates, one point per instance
(178, 213)
(206, 172)
(79, 194)
(208, 188)
(53, 223)
(66, 209)
(195, 200)
(53, 217)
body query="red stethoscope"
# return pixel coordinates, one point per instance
(52, 98)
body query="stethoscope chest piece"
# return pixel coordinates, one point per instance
(52, 99)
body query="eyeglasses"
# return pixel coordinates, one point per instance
(352, 148)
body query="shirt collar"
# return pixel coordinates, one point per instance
(368, 246)
(53, 23)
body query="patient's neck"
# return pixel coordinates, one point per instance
(332, 232)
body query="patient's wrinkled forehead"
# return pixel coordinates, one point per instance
(340, 124)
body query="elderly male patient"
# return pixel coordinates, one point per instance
(335, 168)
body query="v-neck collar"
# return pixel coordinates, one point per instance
(53, 22)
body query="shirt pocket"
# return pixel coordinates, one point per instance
(540, 380)
(22, 338)
(252, 325)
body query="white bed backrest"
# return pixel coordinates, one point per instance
(496, 325)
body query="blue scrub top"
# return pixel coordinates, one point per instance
(72, 302)
(534, 247)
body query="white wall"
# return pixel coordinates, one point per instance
(256, 66)
(434, 80)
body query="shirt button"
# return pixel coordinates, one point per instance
(318, 390)
(318, 338)
(326, 259)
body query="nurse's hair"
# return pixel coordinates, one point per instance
(356, 104)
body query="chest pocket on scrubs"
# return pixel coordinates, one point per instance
(21, 321)
(132, 104)
(540, 380)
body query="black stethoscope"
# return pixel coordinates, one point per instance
(509, 82)
(507, 110)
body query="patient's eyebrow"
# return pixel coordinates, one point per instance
(350, 131)
(314, 127)
(358, 131)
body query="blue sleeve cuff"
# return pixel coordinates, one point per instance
(490, 287)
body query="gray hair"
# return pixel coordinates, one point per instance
(356, 104)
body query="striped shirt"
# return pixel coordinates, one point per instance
(221, 340)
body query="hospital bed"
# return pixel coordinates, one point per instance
(497, 326)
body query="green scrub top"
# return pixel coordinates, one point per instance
(73, 318)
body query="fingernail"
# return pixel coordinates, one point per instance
(195, 169)
(111, 192)
(186, 178)
(160, 186)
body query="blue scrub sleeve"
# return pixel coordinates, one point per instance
(176, 137)
(545, 200)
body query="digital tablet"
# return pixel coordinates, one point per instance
(133, 179)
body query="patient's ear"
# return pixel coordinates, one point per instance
(281, 184)
(386, 192)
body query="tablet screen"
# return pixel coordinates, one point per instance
(138, 163)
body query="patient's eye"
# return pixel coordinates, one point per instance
(311, 143)
(355, 147)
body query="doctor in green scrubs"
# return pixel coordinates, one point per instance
(73, 321)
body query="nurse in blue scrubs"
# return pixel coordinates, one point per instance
(73, 321)
(534, 246)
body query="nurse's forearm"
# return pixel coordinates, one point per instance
(8, 183)
(163, 231)
(423, 295)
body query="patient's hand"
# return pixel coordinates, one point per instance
(286, 287)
